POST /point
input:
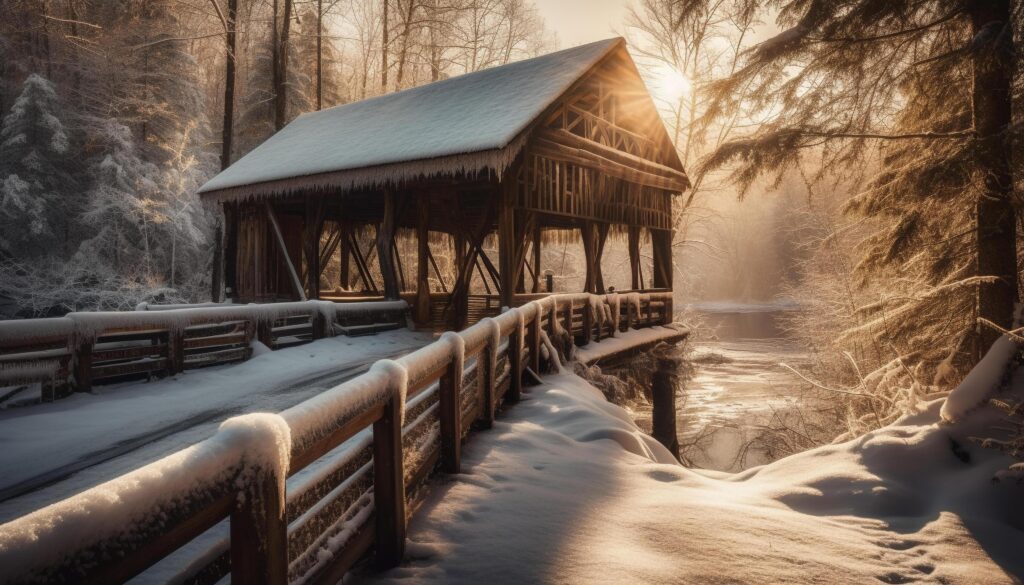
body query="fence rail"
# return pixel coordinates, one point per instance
(74, 352)
(304, 494)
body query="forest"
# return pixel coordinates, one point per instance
(855, 158)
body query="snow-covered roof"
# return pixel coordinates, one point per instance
(461, 124)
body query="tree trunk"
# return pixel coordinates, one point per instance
(281, 67)
(229, 86)
(384, 53)
(995, 222)
(319, 55)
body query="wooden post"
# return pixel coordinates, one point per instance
(515, 362)
(533, 341)
(259, 533)
(422, 312)
(506, 249)
(345, 257)
(230, 250)
(633, 237)
(589, 254)
(265, 333)
(389, 486)
(450, 387)
(83, 366)
(460, 292)
(601, 236)
(175, 351)
(385, 243)
(276, 228)
(536, 256)
(217, 280)
(588, 322)
(663, 391)
(661, 249)
(311, 244)
(487, 363)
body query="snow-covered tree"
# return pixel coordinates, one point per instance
(34, 178)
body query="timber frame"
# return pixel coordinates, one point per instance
(596, 162)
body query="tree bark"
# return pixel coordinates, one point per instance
(384, 52)
(281, 67)
(230, 45)
(995, 221)
(319, 55)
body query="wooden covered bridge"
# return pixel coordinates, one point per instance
(567, 145)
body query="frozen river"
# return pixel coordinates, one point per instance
(738, 389)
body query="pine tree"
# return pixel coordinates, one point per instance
(34, 182)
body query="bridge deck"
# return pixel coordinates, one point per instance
(54, 450)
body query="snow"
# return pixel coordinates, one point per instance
(119, 511)
(981, 381)
(566, 489)
(42, 440)
(594, 352)
(476, 112)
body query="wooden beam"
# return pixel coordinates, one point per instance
(422, 311)
(602, 238)
(633, 237)
(230, 250)
(564, 145)
(385, 245)
(315, 208)
(661, 249)
(279, 237)
(506, 240)
(536, 256)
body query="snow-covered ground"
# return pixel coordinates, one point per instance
(51, 451)
(566, 489)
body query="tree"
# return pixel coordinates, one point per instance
(34, 179)
(918, 93)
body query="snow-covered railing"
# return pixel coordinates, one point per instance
(74, 351)
(302, 495)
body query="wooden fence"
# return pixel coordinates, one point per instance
(73, 352)
(305, 494)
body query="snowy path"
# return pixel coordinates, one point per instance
(51, 451)
(564, 489)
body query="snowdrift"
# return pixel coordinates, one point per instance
(567, 489)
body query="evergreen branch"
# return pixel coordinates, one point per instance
(907, 136)
(894, 34)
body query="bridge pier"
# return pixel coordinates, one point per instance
(663, 398)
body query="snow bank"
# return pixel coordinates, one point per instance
(984, 379)
(566, 489)
(109, 519)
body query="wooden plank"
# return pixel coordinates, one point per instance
(344, 432)
(449, 393)
(283, 249)
(389, 486)
(108, 371)
(128, 353)
(192, 343)
(259, 533)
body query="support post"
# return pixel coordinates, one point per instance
(217, 280)
(533, 340)
(536, 256)
(663, 392)
(515, 362)
(385, 243)
(601, 236)
(344, 257)
(450, 387)
(589, 254)
(422, 312)
(259, 533)
(661, 249)
(230, 250)
(487, 363)
(506, 249)
(588, 322)
(83, 366)
(460, 292)
(175, 351)
(389, 486)
(633, 237)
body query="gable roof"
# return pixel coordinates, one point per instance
(461, 124)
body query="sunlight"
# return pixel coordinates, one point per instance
(671, 84)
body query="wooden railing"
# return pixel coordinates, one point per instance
(72, 352)
(304, 494)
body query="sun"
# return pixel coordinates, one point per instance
(670, 83)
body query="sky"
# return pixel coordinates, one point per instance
(582, 21)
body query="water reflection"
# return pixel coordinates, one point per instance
(737, 387)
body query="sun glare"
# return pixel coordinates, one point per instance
(671, 84)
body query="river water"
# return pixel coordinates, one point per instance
(738, 387)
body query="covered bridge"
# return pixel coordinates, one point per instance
(566, 143)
